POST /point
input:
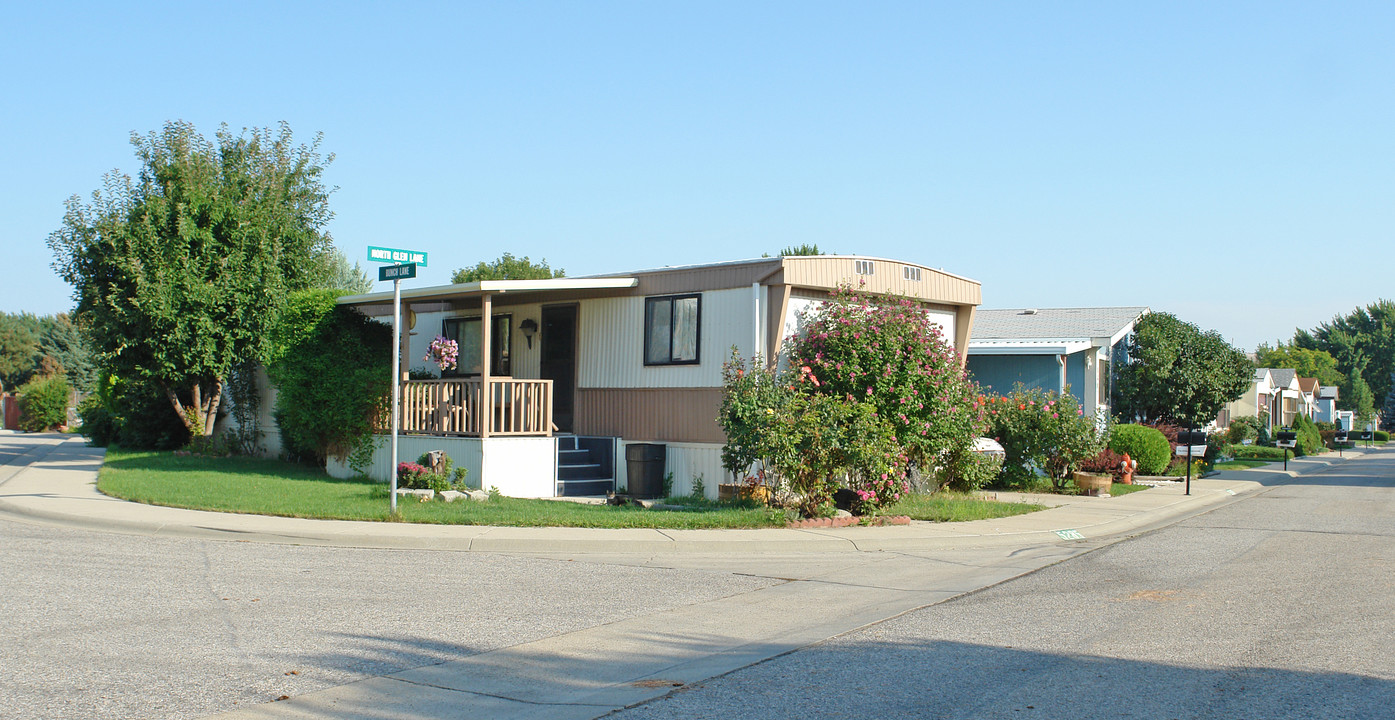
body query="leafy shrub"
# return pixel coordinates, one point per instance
(330, 365)
(131, 413)
(43, 403)
(812, 442)
(146, 418)
(970, 471)
(1258, 452)
(1243, 428)
(1040, 429)
(1145, 444)
(99, 424)
(1107, 461)
(1381, 436)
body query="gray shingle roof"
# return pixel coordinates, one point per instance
(1056, 323)
(1283, 377)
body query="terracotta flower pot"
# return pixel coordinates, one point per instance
(1094, 484)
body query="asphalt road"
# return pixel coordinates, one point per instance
(97, 625)
(1281, 605)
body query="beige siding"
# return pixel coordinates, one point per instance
(645, 415)
(610, 345)
(887, 277)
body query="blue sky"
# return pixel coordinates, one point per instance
(1227, 162)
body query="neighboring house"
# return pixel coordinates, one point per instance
(1052, 348)
(573, 370)
(1326, 410)
(1308, 396)
(1274, 391)
(1255, 400)
(1286, 398)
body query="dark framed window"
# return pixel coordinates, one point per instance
(672, 329)
(466, 333)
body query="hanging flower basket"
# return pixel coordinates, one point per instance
(444, 352)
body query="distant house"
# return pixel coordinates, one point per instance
(1326, 410)
(1274, 392)
(1308, 396)
(1052, 349)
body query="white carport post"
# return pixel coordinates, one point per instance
(486, 394)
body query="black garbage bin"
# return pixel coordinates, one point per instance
(644, 463)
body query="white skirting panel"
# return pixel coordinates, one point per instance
(686, 461)
(518, 467)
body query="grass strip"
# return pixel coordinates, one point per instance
(956, 507)
(272, 487)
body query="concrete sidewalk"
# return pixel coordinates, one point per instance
(829, 582)
(55, 483)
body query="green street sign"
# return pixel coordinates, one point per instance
(395, 255)
(397, 272)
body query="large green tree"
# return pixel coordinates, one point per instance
(1178, 374)
(1387, 410)
(32, 345)
(1363, 338)
(1306, 362)
(19, 351)
(508, 267)
(180, 272)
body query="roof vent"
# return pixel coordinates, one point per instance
(1028, 311)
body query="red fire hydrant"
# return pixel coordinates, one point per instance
(1129, 466)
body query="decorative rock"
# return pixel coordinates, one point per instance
(450, 495)
(422, 495)
(842, 514)
(478, 495)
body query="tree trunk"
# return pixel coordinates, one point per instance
(203, 409)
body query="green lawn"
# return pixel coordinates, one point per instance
(1242, 464)
(1117, 489)
(271, 487)
(956, 507)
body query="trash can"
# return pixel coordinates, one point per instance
(644, 464)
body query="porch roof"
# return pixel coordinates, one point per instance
(442, 296)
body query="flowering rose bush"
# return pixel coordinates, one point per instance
(444, 352)
(812, 442)
(871, 387)
(1041, 430)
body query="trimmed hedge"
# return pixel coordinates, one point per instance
(330, 366)
(43, 403)
(1257, 452)
(1148, 446)
(1381, 436)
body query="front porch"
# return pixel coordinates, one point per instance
(461, 407)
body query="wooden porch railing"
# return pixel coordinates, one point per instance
(459, 407)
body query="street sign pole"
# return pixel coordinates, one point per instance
(396, 388)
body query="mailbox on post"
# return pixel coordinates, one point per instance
(1286, 439)
(1190, 443)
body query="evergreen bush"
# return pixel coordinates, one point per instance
(1146, 445)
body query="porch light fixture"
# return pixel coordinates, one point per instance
(529, 326)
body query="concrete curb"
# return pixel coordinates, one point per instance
(58, 487)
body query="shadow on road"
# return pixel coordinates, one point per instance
(848, 678)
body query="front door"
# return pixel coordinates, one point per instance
(558, 362)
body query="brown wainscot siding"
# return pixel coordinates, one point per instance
(658, 414)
